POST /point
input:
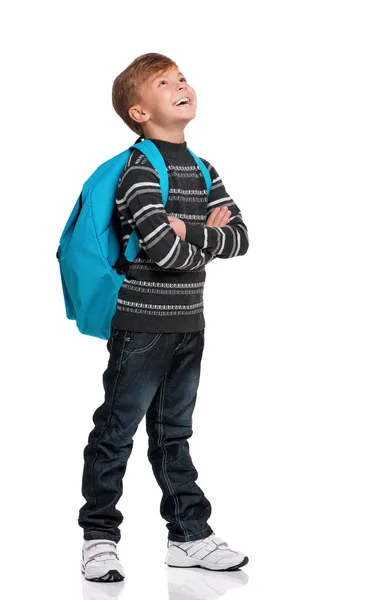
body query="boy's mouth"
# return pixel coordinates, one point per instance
(184, 101)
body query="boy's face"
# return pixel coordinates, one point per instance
(159, 96)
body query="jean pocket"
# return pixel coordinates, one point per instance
(138, 342)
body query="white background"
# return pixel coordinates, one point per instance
(291, 428)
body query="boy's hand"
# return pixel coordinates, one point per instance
(218, 218)
(178, 226)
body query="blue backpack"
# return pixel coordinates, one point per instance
(90, 245)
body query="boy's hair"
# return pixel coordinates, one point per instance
(126, 86)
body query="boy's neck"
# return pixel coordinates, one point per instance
(157, 133)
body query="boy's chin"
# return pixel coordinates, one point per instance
(188, 115)
(187, 118)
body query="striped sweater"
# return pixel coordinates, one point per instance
(163, 287)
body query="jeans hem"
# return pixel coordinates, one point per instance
(100, 535)
(191, 536)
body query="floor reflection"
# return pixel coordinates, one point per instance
(102, 591)
(199, 584)
(183, 584)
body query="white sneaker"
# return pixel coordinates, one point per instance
(100, 561)
(208, 553)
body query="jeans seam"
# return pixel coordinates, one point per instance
(108, 422)
(164, 469)
(198, 532)
(189, 535)
(183, 342)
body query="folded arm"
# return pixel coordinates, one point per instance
(223, 242)
(139, 202)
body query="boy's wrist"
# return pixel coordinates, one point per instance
(195, 234)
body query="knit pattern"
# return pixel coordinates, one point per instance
(163, 287)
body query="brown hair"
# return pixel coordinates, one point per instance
(126, 86)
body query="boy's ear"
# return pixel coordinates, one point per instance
(137, 114)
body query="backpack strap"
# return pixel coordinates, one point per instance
(153, 154)
(202, 167)
(155, 157)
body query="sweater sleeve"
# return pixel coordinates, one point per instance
(223, 242)
(140, 207)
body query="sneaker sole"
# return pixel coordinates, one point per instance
(109, 577)
(234, 568)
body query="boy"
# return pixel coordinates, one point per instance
(157, 336)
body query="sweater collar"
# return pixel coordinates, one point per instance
(172, 149)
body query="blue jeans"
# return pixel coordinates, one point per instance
(157, 375)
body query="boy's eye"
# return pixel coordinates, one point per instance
(164, 81)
